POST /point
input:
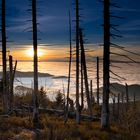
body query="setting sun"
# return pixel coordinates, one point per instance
(30, 52)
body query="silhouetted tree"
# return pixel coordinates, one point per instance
(97, 80)
(59, 100)
(82, 86)
(42, 97)
(113, 106)
(77, 63)
(134, 99)
(91, 93)
(127, 94)
(118, 109)
(10, 83)
(35, 44)
(69, 74)
(106, 64)
(3, 32)
(122, 97)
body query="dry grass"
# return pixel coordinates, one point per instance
(53, 128)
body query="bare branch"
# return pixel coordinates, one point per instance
(115, 35)
(117, 75)
(125, 57)
(116, 79)
(115, 66)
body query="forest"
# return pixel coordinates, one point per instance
(94, 112)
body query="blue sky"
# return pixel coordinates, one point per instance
(53, 22)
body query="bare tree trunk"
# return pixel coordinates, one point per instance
(11, 83)
(13, 77)
(64, 97)
(91, 93)
(122, 98)
(14, 71)
(85, 74)
(77, 63)
(36, 105)
(127, 95)
(106, 63)
(3, 31)
(82, 87)
(118, 109)
(98, 80)
(69, 75)
(113, 107)
(134, 99)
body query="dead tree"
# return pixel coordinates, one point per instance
(106, 66)
(77, 63)
(91, 92)
(82, 84)
(3, 32)
(118, 108)
(127, 95)
(108, 26)
(85, 73)
(134, 99)
(122, 104)
(113, 107)
(69, 75)
(14, 71)
(35, 46)
(11, 82)
(98, 80)
(82, 87)
(122, 97)
(71, 104)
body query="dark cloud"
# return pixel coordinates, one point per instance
(53, 20)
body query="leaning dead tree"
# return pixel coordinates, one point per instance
(4, 66)
(35, 47)
(85, 73)
(106, 67)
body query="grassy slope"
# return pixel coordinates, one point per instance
(119, 88)
(17, 128)
(53, 128)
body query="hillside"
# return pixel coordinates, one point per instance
(29, 74)
(116, 88)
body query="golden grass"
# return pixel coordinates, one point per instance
(53, 128)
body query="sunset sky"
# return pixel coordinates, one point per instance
(53, 27)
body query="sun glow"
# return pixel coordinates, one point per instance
(29, 52)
